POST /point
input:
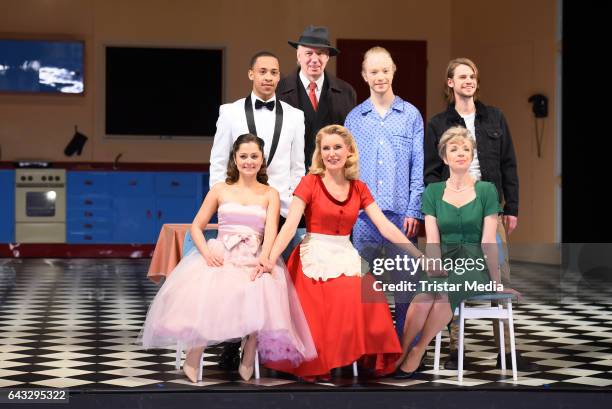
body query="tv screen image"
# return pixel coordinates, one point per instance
(162, 92)
(41, 66)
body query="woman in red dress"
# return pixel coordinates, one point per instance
(348, 320)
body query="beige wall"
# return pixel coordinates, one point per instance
(40, 127)
(513, 42)
(514, 46)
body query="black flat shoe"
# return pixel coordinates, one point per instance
(399, 374)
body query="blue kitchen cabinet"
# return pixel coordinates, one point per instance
(144, 201)
(175, 210)
(132, 184)
(130, 207)
(135, 220)
(7, 206)
(88, 183)
(89, 208)
(134, 210)
(178, 197)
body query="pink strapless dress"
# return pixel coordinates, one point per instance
(199, 305)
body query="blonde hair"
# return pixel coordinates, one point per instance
(450, 73)
(455, 134)
(376, 50)
(351, 167)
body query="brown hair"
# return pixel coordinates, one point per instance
(351, 167)
(450, 73)
(232, 168)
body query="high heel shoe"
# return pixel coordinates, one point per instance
(190, 371)
(246, 372)
(400, 374)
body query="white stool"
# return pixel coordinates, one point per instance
(179, 352)
(478, 312)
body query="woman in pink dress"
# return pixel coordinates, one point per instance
(217, 293)
(348, 319)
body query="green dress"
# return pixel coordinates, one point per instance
(460, 236)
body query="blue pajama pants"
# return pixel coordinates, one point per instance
(370, 245)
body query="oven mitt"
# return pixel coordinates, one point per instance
(75, 144)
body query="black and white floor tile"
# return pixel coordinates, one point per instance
(72, 323)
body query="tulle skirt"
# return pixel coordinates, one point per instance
(199, 305)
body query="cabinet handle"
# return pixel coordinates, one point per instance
(174, 183)
(159, 214)
(88, 201)
(87, 225)
(149, 214)
(87, 214)
(88, 182)
(87, 237)
(133, 182)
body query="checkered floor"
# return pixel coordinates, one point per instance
(72, 324)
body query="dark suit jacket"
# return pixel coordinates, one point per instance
(337, 99)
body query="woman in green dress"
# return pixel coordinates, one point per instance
(460, 222)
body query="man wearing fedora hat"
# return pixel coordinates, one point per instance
(324, 98)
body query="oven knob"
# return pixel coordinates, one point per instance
(57, 178)
(23, 178)
(30, 178)
(44, 178)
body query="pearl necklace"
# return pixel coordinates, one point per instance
(452, 189)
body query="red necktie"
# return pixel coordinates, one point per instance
(313, 95)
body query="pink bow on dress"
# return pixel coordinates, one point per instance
(249, 240)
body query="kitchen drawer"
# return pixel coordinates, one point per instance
(132, 184)
(90, 226)
(177, 184)
(87, 182)
(89, 237)
(91, 214)
(89, 201)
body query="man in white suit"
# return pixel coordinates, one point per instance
(280, 125)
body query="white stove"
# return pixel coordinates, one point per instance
(40, 205)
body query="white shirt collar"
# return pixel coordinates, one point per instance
(306, 81)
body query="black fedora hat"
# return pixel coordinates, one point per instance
(315, 37)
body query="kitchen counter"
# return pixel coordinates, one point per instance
(121, 166)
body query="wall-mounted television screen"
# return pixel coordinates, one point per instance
(162, 92)
(41, 66)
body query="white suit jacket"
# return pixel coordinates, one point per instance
(287, 167)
